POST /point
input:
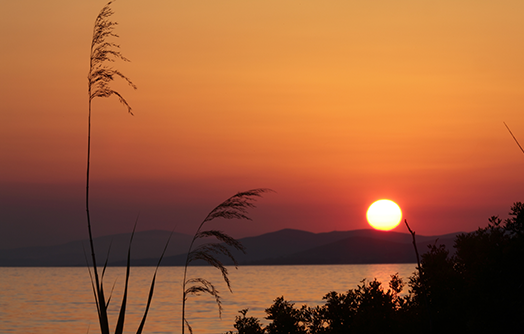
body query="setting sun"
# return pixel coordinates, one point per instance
(384, 215)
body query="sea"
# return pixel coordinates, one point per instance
(56, 300)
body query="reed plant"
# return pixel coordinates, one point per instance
(103, 52)
(235, 207)
(100, 76)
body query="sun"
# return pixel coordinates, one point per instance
(384, 215)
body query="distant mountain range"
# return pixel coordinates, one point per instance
(284, 247)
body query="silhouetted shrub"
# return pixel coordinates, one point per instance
(286, 318)
(247, 325)
(366, 309)
(480, 289)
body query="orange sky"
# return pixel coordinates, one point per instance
(333, 104)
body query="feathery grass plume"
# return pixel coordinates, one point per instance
(235, 207)
(102, 52)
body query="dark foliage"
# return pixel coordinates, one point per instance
(480, 289)
(286, 318)
(247, 325)
(367, 309)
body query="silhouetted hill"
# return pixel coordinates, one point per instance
(290, 247)
(147, 244)
(347, 247)
(359, 250)
(286, 246)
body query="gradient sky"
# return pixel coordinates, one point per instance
(332, 104)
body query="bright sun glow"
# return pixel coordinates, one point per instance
(384, 215)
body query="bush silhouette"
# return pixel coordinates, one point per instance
(247, 325)
(477, 290)
(286, 318)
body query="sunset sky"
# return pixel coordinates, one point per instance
(332, 104)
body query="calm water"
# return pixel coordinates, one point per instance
(60, 300)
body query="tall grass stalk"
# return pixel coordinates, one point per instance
(99, 78)
(234, 207)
